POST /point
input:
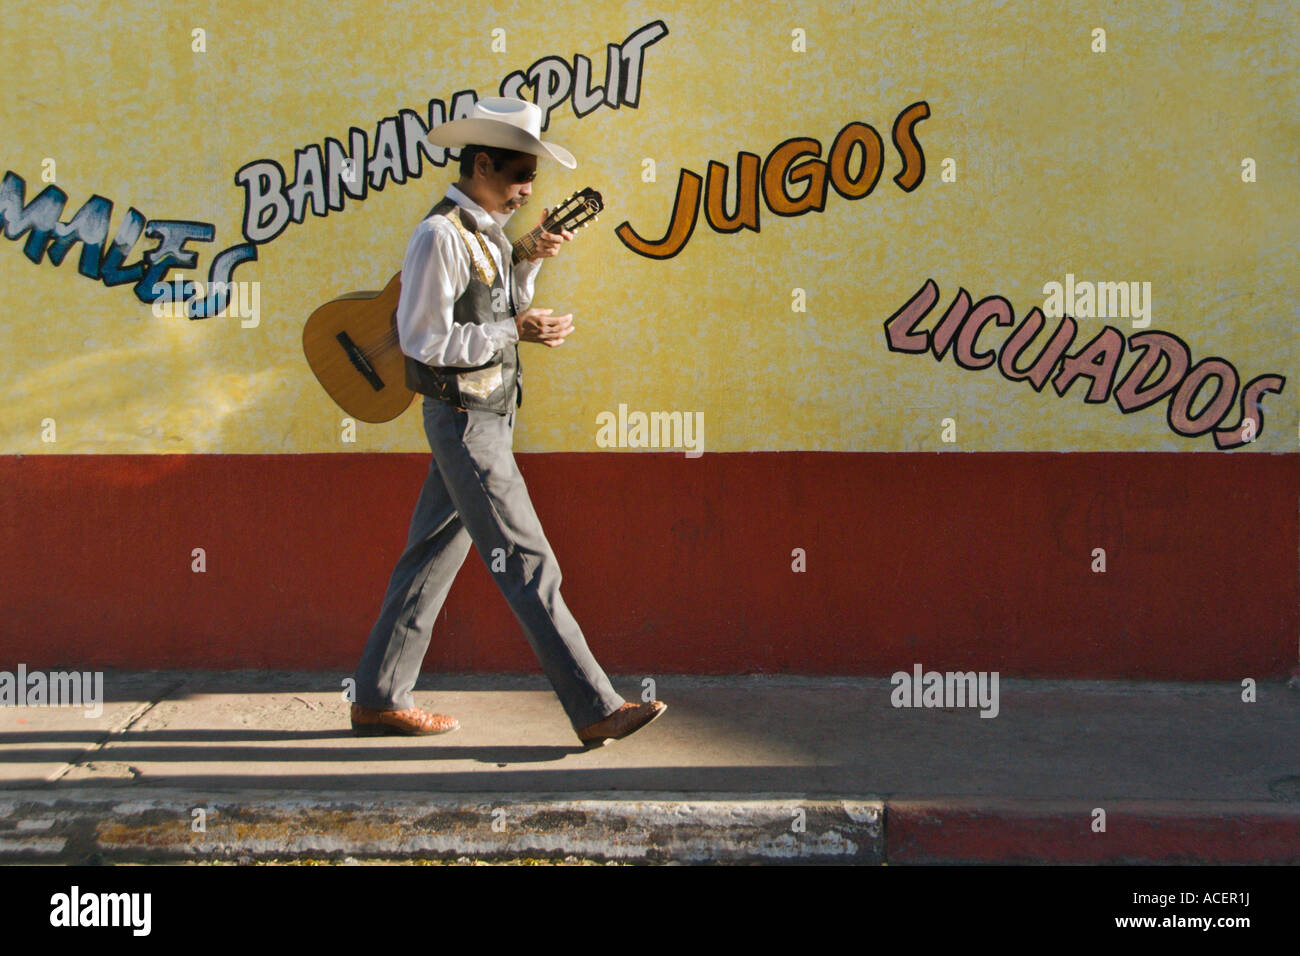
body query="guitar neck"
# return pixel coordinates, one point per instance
(526, 246)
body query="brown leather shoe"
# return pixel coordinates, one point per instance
(628, 719)
(412, 722)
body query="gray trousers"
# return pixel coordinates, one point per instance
(474, 492)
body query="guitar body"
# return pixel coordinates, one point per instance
(351, 345)
(351, 342)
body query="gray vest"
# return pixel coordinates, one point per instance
(491, 387)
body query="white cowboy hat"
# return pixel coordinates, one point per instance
(505, 122)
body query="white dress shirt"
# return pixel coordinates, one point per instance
(436, 272)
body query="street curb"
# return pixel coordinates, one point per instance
(1136, 832)
(46, 827)
(163, 826)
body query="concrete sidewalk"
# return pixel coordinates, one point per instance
(184, 765)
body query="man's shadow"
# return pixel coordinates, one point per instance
(223, 746)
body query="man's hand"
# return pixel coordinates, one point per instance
(538, 325)
(548, 244)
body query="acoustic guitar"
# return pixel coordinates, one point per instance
(351, 342)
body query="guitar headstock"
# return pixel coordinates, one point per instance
(575, 212)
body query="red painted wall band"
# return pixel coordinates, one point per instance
(675, 565)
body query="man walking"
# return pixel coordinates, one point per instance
(459, 325)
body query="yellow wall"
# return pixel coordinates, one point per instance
(1115, 166)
